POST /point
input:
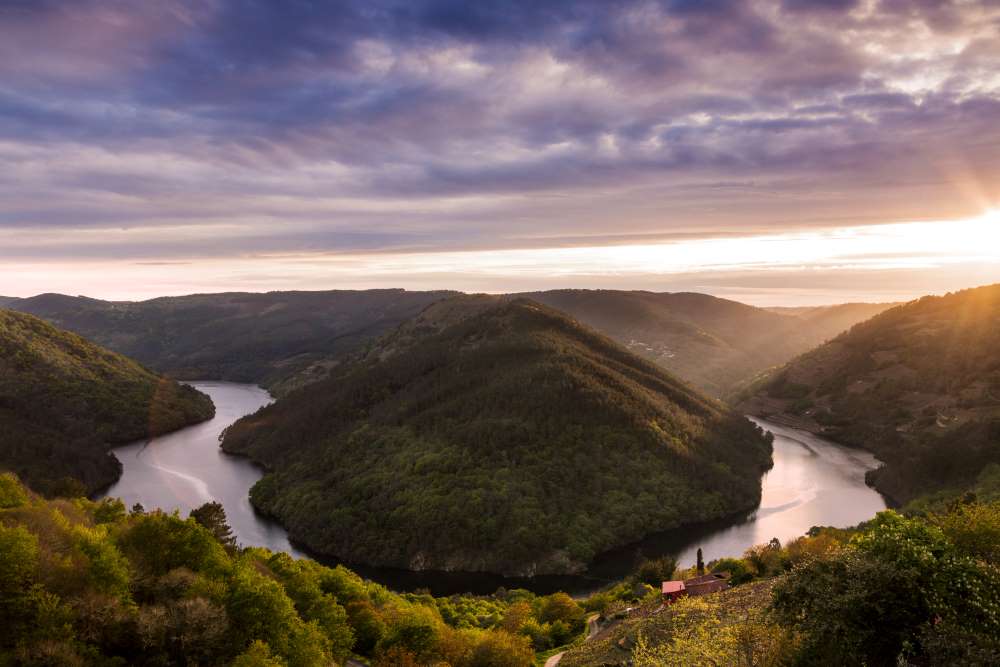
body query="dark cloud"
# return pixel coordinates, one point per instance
(281, 114)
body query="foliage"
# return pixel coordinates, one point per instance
(212, 515)
(732, 627)
(64, 402)
(84, 583)
(11, 493)
(655, 571)
(902, 588)
(701, 633)
(455, 431)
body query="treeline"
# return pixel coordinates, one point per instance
(89, 583)
(512, 441)
(65, 401)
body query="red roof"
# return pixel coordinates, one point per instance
(672, 587)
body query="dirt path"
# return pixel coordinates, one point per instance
(554, 660)
(593, 628)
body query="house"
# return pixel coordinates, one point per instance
(707, 583)
(673, 591)
(703, 585)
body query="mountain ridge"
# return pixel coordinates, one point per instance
(294, 338)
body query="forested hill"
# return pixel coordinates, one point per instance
(716, 344)
(919, 385)
(284, 340)
(64, 401)
(496, 434)
(278, 339)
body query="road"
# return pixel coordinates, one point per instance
(593, 627)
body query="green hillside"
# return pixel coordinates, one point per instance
(495, 434)
(64, 401)
(84, 583)
(918, 385)
(278, 339)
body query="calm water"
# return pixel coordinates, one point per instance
(813, 482)
(187, 468)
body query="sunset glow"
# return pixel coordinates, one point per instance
(846, 149)
(953, 252)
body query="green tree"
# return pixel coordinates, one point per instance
(212, 515)
(502, 649)
(12, 494)
(655, 571)
(258, 655)
(560, 607)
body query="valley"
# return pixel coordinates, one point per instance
(918, 385)
(813, 482)
(488, 450)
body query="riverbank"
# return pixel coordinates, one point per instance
(811, 482)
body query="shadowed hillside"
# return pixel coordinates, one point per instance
(285, 340)
(716, 344)
(831, 320)
(64, 401)
(496, 434)
(278, 339)
(918, 385)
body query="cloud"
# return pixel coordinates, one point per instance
(380, 124)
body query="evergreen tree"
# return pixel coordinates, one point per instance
(213, 516)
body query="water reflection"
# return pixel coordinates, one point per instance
(813, 482)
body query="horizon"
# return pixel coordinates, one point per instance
(776, 152)
(793, 306)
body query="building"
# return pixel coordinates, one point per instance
(673, 591)
(707, 583)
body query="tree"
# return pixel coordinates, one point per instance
(258, 655)
(560, 607)
(212, 515)
(368, 626)
(654, 572)
(872, 601)
(502, 649)
(12, 494)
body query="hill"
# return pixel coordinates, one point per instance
(831, 320)
(64, 401)
(85, 583)
(285, 340)
(896, 590)
(918, 385)
(278, 339)
(716, 344)
(496, 434)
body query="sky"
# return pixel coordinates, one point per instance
(772, 151)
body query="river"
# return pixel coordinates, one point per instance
(813, 482)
